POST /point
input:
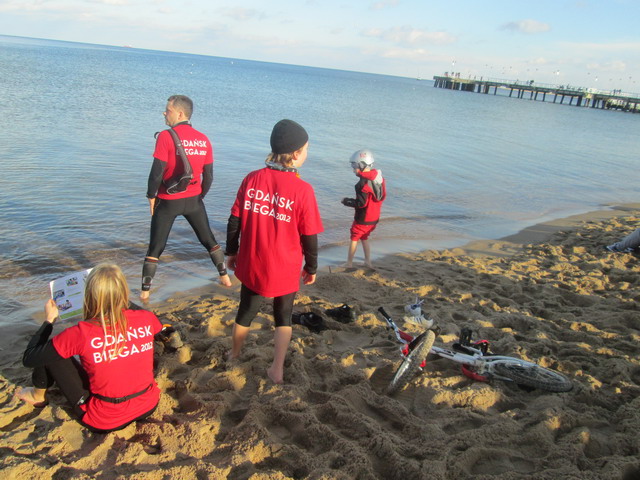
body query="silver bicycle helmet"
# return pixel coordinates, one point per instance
(361, 159)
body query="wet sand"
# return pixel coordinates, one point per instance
(549, 294)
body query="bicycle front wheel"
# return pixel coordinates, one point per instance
(411, 363)
(532, 375)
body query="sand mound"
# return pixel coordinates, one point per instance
(564, 303)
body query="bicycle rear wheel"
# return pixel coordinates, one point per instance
(532, 375)
(411, 363)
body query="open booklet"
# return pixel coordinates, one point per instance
(68, 293)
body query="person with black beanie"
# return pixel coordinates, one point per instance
(273, 227)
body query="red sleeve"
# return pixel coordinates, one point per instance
(310, 222)
(164, 144)
(69, 342)
(156, 324)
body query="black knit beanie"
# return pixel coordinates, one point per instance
(287, 137)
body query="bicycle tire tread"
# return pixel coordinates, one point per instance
(532, 375)
(411, 363)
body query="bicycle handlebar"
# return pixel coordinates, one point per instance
(383, 312)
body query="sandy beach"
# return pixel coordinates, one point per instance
(549, 294)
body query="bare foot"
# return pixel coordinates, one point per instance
(347, 265)
(275, 376)
(231, 357)
(144, 295)
(32, 396)
(225, 280)
(368, 264)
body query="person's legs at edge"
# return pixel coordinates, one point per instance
(250, 303)
(630, 241)
(282, 309)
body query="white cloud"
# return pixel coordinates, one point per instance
(538, 61)
(405, 53)
(615, 47)
(614, 66)
(384, 4)
(527, 26)
(118, 3)
(410, 36)
(242, 14)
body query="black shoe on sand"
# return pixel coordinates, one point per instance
(344, 313)
(312, 321)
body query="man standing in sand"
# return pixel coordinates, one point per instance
(164, 206)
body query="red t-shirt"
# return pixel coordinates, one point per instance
(199, 151)
(129, 372)
(275, 208)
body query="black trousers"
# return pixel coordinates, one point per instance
(165, 213)
(250, 303)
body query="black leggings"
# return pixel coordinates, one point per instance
(250, 303)
(73, 382)
(165, 213)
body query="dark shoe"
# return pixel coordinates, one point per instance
(344, 313)
(312, 321)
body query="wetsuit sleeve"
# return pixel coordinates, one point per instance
(233, 235)
(155, 177)
(207, 178)
(310, 249)
(362, 196)
(40, 350)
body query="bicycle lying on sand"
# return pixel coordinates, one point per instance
(476, 362)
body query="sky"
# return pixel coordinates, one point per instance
(582, 43)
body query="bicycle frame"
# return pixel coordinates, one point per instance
(475, 358)
(482, 364)
(475, 361)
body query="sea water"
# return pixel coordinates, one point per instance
(78, 137)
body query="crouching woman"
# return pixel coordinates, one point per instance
(104, 364)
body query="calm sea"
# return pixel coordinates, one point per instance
(78, 139)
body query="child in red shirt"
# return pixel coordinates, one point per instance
(273, 226)
(371, 191)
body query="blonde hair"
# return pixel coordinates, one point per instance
(106, 297)
(284, 159)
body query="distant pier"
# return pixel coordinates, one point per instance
(582, 97)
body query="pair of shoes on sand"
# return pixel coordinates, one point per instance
(415, 314)
(315, 322)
